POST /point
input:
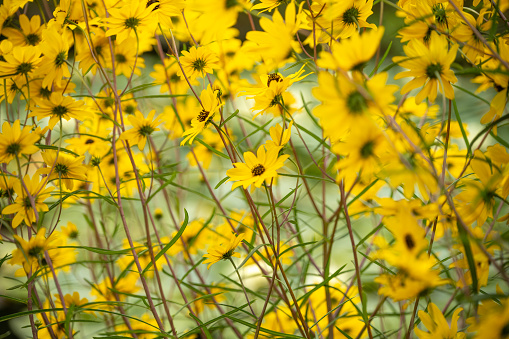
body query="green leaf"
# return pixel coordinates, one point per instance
(212, 149)
(55, 148)
(171, 243)
(229, 118)
(221, 182)
(100, 250)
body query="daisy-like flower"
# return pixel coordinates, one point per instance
(22, 61)
(352, 16)
(14, 142)
(59, 107)
(222, 252)
(257, 168)
(134, 16)
(276, 42)
(63, 166)
(279, 138)
(353, 53)
(22, 205)
(430, 67)
(143, 127)
(210, 104)
(438, 327)
(125, 58)
(53, 65)
(198, 61)
(30, 33)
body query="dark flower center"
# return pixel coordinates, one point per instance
(35, 251)
(433, 70)
(32, 39)
(356, 103)
(276, 100)
(203, 115)
(409, 241)
(60, 59)
(120, 58)
(145, 130)
(59, 110)
(89, 141)
(45, 92)
(13, 149)
(351, 16)
(24, 68)
(199, 64)
(132, 23)
(258, 170)
(61, 169)
(227, 255)
(273, 77)
(367, 149)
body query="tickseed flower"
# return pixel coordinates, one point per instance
(15, 142)
(279, 138)
(437, 326)
(63, 166)
(134, 16)
(59, 107)
(142, 128)
(22, 61)
(352, 16)
(352, 53)
(30, 33)
(22, 205)
(53, 65)
(430, 67)
(220, 252)
(257, 168)
(198, 61)
(210, 104)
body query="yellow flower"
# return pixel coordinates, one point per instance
(142, 128)
(352, 16)
(210, 104)
(430, 67)
(257, 168)
(15, 142)
(125, 58)
(276, 42)
(22, 61)
(22, 205)
(63, 166)
(53, 65)
(220, 252)
(198, 61)
(59, 107)
(438, 327)
(279, 138)
(30, 254)
(30, 33)
(353, 53)
(134, 16)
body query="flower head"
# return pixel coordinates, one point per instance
(15, 142)
(430, 67)
(198, 61)
(257, 168)
(59, 107)
(220, 252)
(63, 166)
(438, 327)
(210, 104)
(143, 127)
(132, 18)
(23, 206)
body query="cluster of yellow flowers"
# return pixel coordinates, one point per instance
(270, 131)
